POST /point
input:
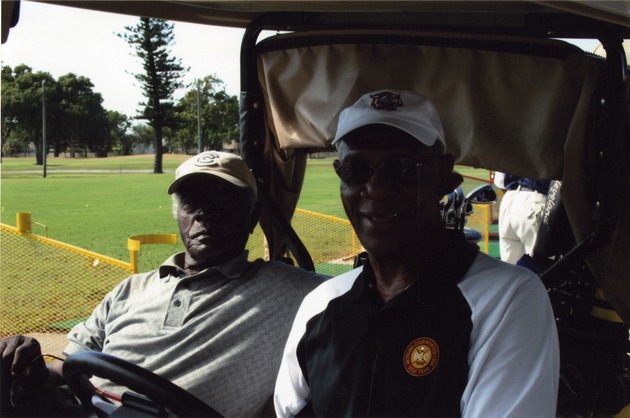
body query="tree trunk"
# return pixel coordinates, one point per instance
(39, 160)
(157, 164)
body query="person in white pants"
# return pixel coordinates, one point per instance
(520, 215)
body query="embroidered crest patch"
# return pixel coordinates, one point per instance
(386, 100)
(421, 356)
(207, 159)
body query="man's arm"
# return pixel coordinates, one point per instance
(514, 359)
(292, 392)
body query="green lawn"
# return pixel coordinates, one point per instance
(26, 166)
(97, 207)
(96, 212)
(99, 210)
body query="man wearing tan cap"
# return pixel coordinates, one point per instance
(428, 326)
(207, 319)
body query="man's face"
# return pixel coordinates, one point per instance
(215, 219)
(394, 208)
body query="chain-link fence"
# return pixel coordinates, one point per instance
(331, 241)
(333, 244)
(47, 286)
(480, 220)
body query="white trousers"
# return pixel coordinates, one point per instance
(520, 215)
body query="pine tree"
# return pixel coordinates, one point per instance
(152, 39)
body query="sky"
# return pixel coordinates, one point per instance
(45, 39)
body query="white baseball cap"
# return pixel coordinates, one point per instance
(405, 110)
(227, 166)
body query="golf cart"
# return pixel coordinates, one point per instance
(513, 97)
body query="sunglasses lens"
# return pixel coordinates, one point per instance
(353, 172)
(400, 170)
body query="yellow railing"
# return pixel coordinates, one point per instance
(47, 286)
(23, 222)
(135, 242)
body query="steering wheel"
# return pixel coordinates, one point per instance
(78, 367)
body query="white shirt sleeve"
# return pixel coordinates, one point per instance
(292, 392)
(514, 356)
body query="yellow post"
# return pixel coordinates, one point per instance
(23, 222)
(135, 242)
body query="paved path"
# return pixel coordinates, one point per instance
(50, 343)
(113, 170)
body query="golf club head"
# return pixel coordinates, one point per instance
(458, 204)
(447, 206)
(468, 209)
(459, 198)
(481, 195)
(472, 235)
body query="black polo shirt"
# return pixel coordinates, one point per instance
(406, 357)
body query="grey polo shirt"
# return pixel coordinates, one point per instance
(218, 334)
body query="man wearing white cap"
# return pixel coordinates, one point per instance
(207, 319)
(428, 326)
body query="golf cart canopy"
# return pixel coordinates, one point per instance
(511, 95)
(577, 18)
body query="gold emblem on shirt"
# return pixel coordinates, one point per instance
(421, 356)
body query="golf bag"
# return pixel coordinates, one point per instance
(594, 345)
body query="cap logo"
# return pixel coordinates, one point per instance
(386, 100)
(207, 159)
(421, 356)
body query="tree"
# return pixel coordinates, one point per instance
(118, 135)
(223, 117)
(152, 39)
(83, 119)
(10, 143)
(219, 115)
(142, 134)
(22, 106)
(74, 114)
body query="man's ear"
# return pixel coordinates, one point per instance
(449, 179)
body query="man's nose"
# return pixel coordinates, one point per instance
(378, 186)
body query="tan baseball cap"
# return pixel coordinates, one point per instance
(225, 165)
(405, 110)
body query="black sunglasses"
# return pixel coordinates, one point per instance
(399, 170)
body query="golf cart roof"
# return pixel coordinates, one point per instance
(567, 19)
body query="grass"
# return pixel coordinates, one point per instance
(99, 210)
(95, 212)
(26, 167)
(103, 202)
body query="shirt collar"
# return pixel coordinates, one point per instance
(452, 257)
(232, 269)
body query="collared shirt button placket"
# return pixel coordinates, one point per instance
(179, 305)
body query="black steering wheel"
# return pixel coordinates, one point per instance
(78, 367)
